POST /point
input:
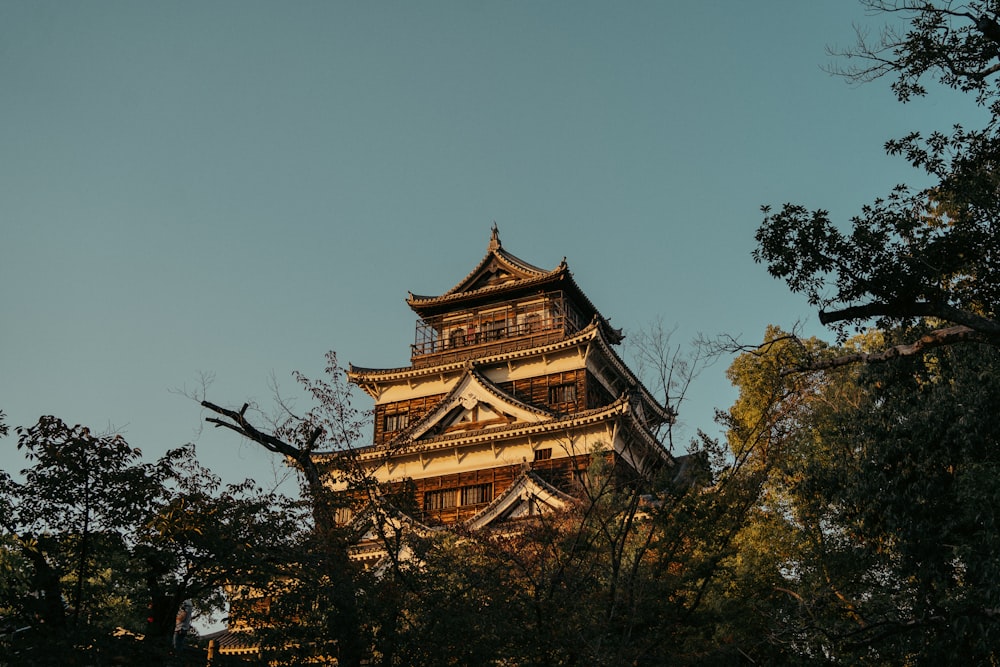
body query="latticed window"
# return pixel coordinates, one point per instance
(440, 500)
(562, 393)
(543, 454)
(551, 311)
(396, 421)
(477, 494)
(494, 329)
(343, 515)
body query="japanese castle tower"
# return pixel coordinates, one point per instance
(513, 386)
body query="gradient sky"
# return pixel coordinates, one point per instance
(235, 188)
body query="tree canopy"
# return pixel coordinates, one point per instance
(97, 546)
(876, 531)
(927, 254)
(882, 491)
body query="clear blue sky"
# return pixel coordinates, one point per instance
(237, 187)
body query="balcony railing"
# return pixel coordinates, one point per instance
(469, 333)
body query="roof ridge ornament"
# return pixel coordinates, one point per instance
(494, 238)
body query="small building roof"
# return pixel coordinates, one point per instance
(234, 642)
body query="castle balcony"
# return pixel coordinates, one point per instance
(494, 328)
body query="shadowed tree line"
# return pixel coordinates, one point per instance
(98, 548)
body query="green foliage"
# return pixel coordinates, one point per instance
(924, 505)
(875, 538)
(883, 488)
(914, 254)
(311, 611)
(94, 542)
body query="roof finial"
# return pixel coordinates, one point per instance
(494, 237)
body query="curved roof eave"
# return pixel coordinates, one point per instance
(666, 413)
(496, 251)
(418, 302)
(523, 482)
(369, 516)
(532, 276)
(595, 330)
(619, 408)
(512, 430)
(360, 375)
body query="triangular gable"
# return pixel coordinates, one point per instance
(474, 404)
(371, 545)
(528, 496)
(496, 268)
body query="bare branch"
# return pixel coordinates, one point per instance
(301, 455)
(937, 38)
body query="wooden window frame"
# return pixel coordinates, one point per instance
(476, 494)
(564, 392)
(395, 421)
(440, 499)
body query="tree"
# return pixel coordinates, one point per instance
(95, 540)
(82, 487)
(201, 537)
(957, 45)
(666, 370)
(899, 569)
(323, 573)
(925, 255)
(795, 557)
(875, 539)
(929, 495)
(621, 577)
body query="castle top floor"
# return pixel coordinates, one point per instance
(503, 304)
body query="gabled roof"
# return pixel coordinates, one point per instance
(529, 495)
(389, 517)
(500, 275)
(381, 520)
(474, 403)
(594, 334)
(497, 267)
(621, 411)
